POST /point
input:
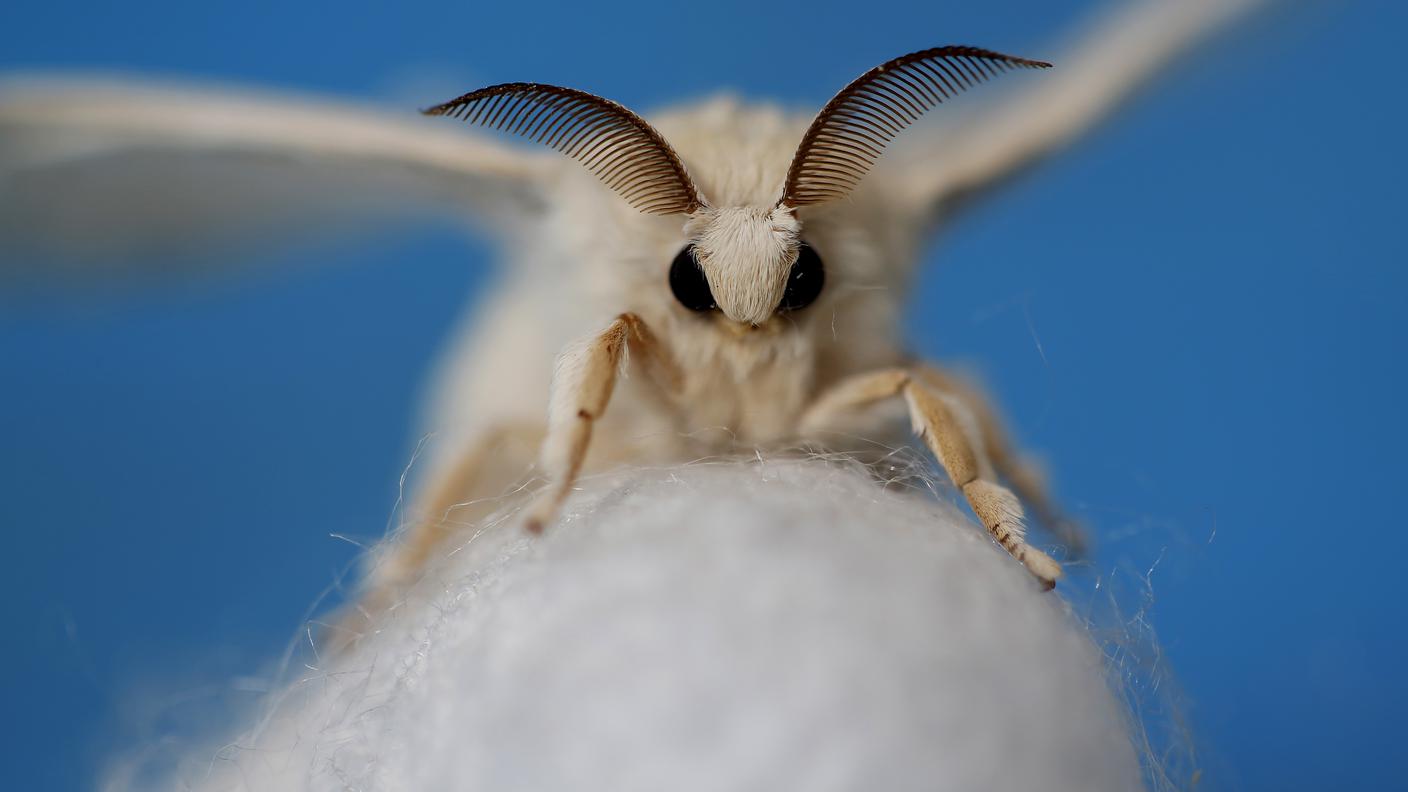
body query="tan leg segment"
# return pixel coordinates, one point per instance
(1023, 474)
(941, 428)
(462, 496)
(582, 389)
(491, 466)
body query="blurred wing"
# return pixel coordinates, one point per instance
(1089, 81)
(118, 171)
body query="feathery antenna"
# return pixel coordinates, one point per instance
(616, 145)
(852, 130)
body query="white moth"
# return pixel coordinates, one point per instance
(743, 337)
(724, 278)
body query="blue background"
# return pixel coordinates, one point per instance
(1196, 313)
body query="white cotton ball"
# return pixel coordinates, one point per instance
(725, 626)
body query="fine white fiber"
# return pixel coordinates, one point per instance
(774, 623)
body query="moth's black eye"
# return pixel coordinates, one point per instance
(805, 282)
(688, 283)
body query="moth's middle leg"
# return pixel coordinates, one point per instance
(1019, 471)
(951, 433)
(494, 464)
(460, 495)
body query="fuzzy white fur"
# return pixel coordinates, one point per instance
(739, 625)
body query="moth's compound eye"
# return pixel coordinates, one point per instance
(805, 281)
(688, 283)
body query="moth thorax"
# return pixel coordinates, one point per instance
(746, 254)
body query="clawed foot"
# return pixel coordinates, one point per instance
(1042, 566)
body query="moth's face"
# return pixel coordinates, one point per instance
(744, 259)
(742, 268)
(738, 174)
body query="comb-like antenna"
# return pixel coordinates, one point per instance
(625, 152)
(853, 128)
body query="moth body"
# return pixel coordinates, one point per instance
(748, 370)
(744, 296)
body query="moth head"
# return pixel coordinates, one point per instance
(746, 262)
(746, 255)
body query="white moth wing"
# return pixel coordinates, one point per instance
(114, 172)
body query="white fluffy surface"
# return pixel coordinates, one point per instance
(726, 626)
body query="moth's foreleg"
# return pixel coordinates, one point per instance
(581, 390)
(1017, 470)
(953, 436)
